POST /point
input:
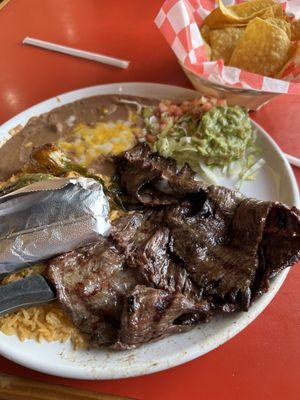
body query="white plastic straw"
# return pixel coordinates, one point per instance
(293, 160)
(116, 62)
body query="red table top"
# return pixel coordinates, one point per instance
(262, 362)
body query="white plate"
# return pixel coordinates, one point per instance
(59, 359)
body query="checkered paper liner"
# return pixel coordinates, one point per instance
(179, 22)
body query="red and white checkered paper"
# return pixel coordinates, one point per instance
(179, 21)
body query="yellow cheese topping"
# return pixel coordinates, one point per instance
(87, 143)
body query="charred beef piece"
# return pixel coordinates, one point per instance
(96, 283)
(135, 228)
(166, 268)
(280, 245)
(92, 283)
(153, 180)
(232, 246)
(150, 314)
(146, 242)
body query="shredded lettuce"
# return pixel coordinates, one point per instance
(249, 174)
(209, 174)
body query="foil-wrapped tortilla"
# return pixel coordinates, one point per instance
(48, 218)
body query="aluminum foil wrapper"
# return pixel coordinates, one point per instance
(48, 218)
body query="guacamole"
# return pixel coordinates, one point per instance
(218, 140)
(225, 133)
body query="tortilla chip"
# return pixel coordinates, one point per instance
(205, 36)
(295, 27)
(279, 12)
(233, 25)
(223, 42)
(215, 19)
(245, 11)
(237, 14)
(208, 50)
(205, 30)
(262, 49)
(281, 23)
(267, 13)
(293, 59)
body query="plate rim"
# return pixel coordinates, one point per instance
(81, 372)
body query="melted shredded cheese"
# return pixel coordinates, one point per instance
(106, 138)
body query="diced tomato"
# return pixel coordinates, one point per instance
(175, 110)
(150, 138)
(163, 107)
(207, 106)
(222, 102)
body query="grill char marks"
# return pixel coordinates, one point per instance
(142, 172)
(146, 243)
(280, 244)
(151, 314)
(213, 252)
(184, 256)
(92, 283)
(97, 284)
(229, 245)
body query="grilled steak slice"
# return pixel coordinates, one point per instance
(151, 314)
(164, 269)
(146, 242)
(154, 180)
(134, 229)
(232, 246)
(159, 269)
(92, 283)
(280, 245)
